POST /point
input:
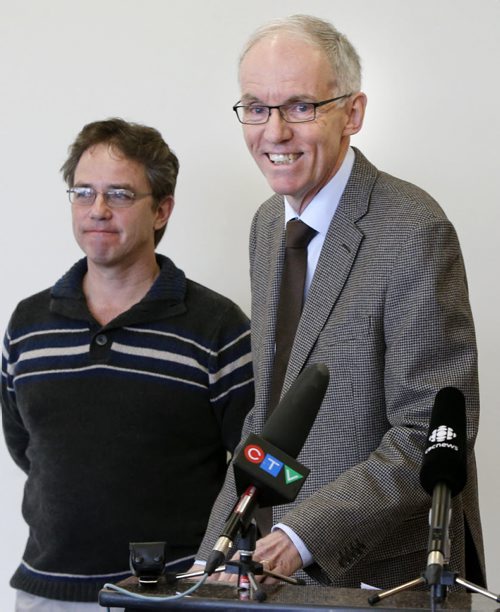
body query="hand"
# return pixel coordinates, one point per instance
(276, 552)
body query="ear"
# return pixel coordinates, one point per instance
(356, 114)
(163, 212)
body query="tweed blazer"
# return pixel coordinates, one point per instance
(389, 315)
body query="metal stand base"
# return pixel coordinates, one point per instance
(438, 588)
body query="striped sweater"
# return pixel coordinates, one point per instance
(123, 429)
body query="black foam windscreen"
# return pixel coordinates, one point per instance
(268, 461)
(290, 423)
(445, 456)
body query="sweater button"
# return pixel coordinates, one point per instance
(101, 340)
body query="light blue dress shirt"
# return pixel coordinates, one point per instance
(318, 214)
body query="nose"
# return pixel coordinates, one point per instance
(100, 209)
(276, 128)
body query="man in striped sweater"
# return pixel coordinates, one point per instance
(124, 386)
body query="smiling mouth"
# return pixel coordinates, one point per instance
(283, 158)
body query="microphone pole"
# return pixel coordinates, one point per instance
(439, 542)
(238, 519)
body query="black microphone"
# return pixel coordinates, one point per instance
(265, 468)
(444, 473)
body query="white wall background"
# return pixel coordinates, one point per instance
(431, 75)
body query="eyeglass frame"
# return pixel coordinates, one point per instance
(106, 195)
(279, 107)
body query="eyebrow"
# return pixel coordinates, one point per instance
(110, 186)
(121, 186)
(247, 99)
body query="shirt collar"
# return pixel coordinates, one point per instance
(320, 210)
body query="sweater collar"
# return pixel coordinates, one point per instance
(170, 284)
(165, 298)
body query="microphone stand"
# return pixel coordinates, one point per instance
(437, 575)
(247, 568)
(438, 590)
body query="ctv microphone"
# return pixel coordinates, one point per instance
(265, 468)
(444, 473)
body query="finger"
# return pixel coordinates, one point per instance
(223, 578)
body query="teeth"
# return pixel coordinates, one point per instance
(281, 158)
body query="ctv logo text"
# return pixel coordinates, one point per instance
(270, 464)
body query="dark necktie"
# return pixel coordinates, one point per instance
(298, 236)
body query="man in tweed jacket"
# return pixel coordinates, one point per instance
(386, 310)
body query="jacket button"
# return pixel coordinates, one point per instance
(101, 340)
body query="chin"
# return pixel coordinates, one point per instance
(283, 188)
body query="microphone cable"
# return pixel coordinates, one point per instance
(152, 598)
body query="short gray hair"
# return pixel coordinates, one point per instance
(341, 54)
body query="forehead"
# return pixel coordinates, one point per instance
(106, 163)
(279, 67)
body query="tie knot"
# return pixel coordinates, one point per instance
(298, 234)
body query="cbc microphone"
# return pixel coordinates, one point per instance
(444, 473)
(265, 468)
